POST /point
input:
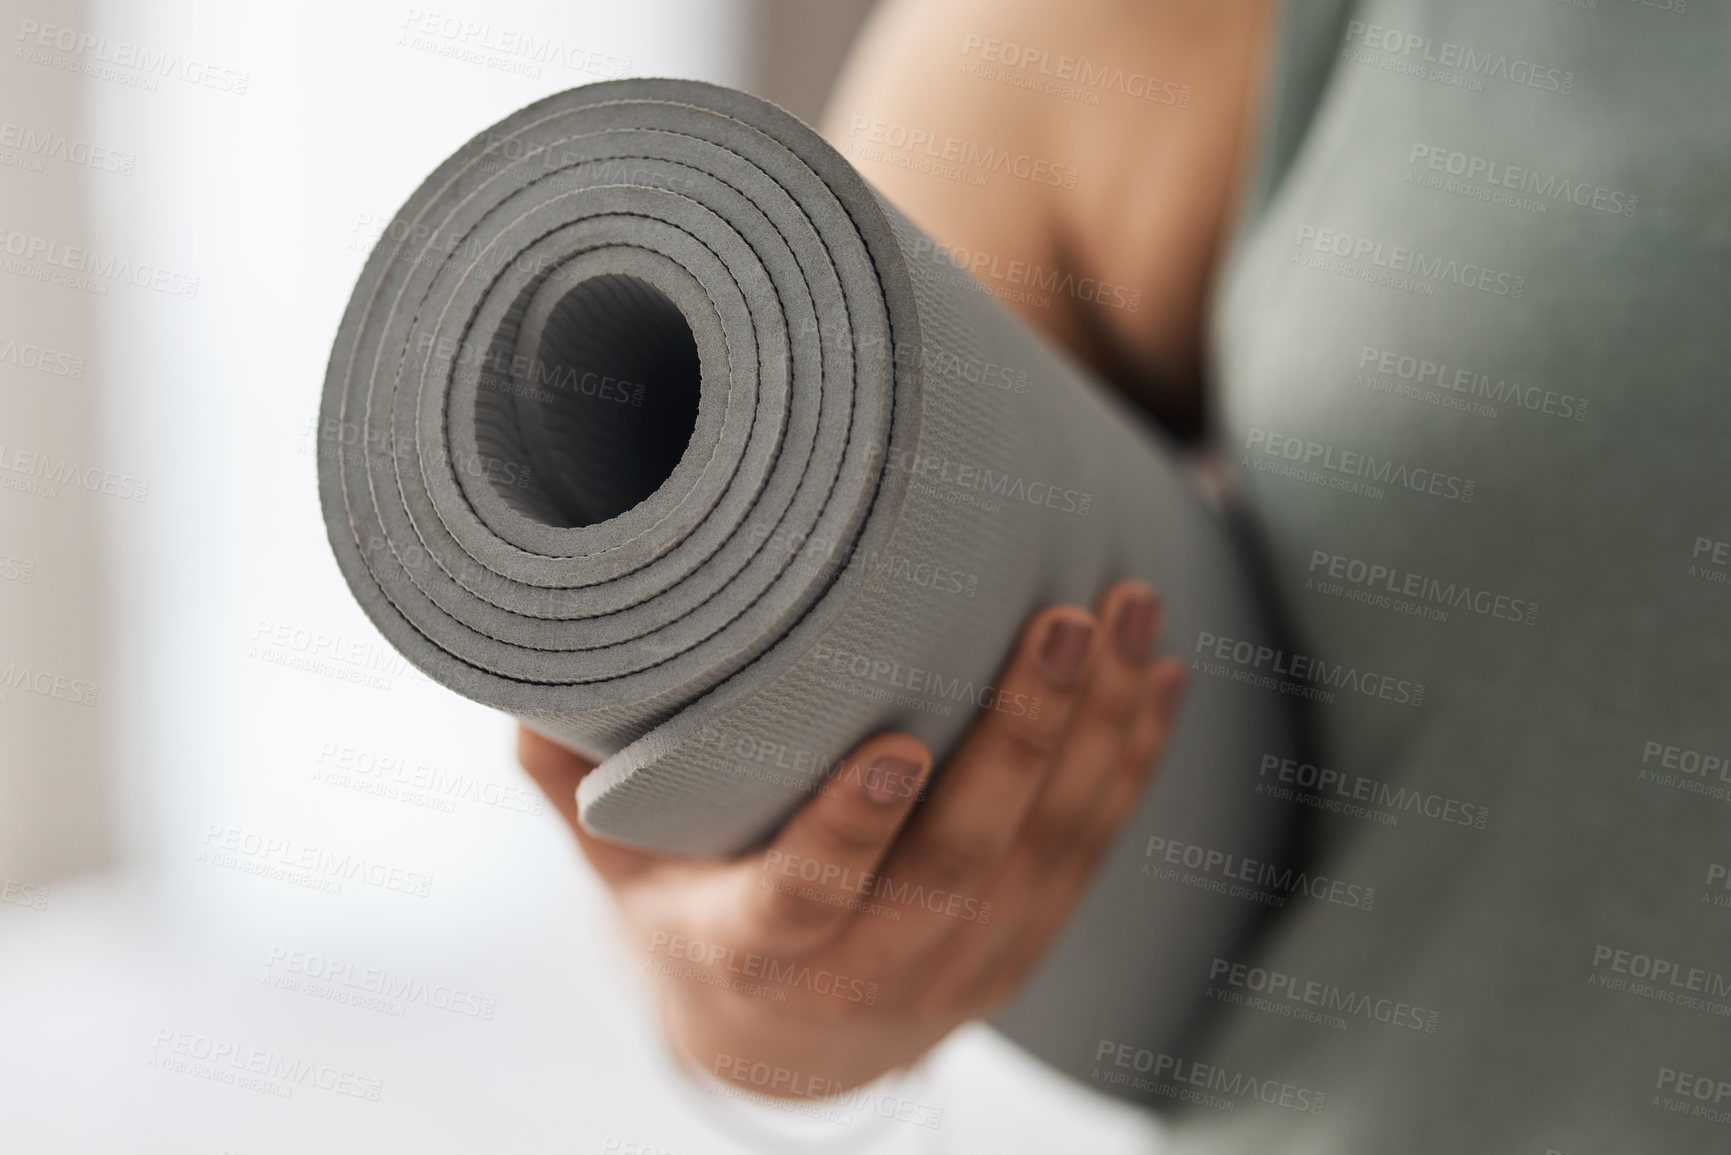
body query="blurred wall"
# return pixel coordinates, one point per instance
(55, 810)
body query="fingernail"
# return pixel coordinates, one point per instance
(1064, 650)
(891, 779)
(1133, 632)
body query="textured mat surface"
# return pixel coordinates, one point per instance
(652, 424)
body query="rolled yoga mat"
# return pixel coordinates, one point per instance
(652, 424)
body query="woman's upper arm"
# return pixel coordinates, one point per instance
(1096, 138)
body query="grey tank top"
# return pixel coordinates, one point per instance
(1473, 357)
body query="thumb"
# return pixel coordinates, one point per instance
(557, 771)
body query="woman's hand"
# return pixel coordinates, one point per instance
(871, 926)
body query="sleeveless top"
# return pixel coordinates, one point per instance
(1472, 354)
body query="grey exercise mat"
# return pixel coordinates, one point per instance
(651, 423)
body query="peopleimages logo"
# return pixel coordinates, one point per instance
(229, 846)
(785, 1089)
(1029, 275)
(1443, 377)
(751, 965)
(1718, 879)
(473, 40)
(255, 1068)
(1288, 778)
(1668, 976)
(1293, 997)
(1544, 187)
(985, 158)
(101, 269)
(46, 474)
(1688, 761)
(418, 783)
(100, 57)
(985, 481)
(1710, 561)
(1404, 263)
(47, 684)
(1248, 659)
(501, 371)
(27, 355)
(45, 144)
(1685, 1092)
(1186, 1079)
(1377, 584)
(832, 876)
(1353, 469)
(23, 894)
(338, 980)
(1447, 56)
(1279, 882)
(1075, 70)
(922, 682)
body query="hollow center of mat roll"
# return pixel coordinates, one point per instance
(616, 379)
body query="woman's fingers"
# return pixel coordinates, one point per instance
(1149, 736)
(557, 771)
(1051, 834)
(1097, 738)
(954, 844)
(821, 867)
(1050, 894)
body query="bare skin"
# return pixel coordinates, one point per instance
(1155, 183)
(793, 956)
